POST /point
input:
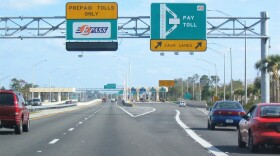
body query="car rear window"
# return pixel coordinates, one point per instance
(270, 111)
(228, 105)
(6, 99)
(36, 100)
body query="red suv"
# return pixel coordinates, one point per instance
(13, 113)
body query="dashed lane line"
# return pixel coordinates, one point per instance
(53, 141)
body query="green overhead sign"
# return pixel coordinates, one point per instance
(110, 86)
(178, 27)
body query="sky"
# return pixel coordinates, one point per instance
(96, 69)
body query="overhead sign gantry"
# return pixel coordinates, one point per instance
(91, 26)
(178, 27)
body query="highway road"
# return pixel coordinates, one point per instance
(106, 129)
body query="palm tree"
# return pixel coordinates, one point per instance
(272, 65)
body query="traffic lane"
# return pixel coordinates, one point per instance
(223, 138)
(113, 132)
(41, 132)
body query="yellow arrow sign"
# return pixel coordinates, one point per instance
(178, 45)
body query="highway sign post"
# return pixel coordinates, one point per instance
(178, 27)
(91, 26)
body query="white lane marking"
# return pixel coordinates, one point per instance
(54, 141)
(98, 110)
(198, 139)
(134, 116)
(202, 111)
(39, 151)
(146, 113)
(80, 122)
(71, 129)
(124, 110)
(86, 118)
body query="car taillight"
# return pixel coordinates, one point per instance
(241, 113)
(217, 112)
(16, 111)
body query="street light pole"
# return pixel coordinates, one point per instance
(182, 88)
(245, 81)
(231, 80)
(128, 76)
(50, 81)
(3, 79)
(215, 73)
(223, 54)
(33, 66)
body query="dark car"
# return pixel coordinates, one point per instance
(260, 126)
(225, 113)
(104, 100)
(13, 113)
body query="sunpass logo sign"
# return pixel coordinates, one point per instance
(91, 30)
(86, 30)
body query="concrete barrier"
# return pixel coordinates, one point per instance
(191, 103)
(38, 108)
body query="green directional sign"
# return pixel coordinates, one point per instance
(110, 86)
(178, 27)
(120, 92)
(188, 96)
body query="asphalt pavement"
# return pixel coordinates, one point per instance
(106, 129)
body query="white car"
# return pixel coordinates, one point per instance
(182, 104)
(113, 100)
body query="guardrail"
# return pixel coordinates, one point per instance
(38, 108)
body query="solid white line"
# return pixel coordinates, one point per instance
(71, 129)
(146, 112)
(198, 139)
(202, 111)
(136, 107)
(124, 110)
(54, 141)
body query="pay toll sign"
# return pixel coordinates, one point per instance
(83, 10)
(178, 27)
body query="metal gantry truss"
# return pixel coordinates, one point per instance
(139, 27)
(128, 27)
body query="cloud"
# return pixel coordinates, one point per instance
(26, 4)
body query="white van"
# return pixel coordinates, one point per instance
(182, 104)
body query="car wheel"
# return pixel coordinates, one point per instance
(212, 126)
(26, 127)
(18, 128)
(241, 143)
(252, 146)
(208, 125)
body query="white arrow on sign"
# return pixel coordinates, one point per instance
(174, 21)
